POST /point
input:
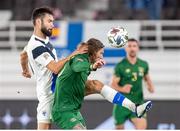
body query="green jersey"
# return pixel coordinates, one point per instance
(132, 74)
(70, 84)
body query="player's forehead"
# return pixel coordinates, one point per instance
(48, 17)
(132, 43)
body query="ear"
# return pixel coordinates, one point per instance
(38, 22)
(92, 58)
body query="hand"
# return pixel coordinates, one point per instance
(26, 74)
(81, 50)
(127, 88)
(98, 64)
(151, 89)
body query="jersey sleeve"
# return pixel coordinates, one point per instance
(117, 71)
(25, 48)
(42, 56)
(80, 64)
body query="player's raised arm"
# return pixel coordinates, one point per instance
(55, 67)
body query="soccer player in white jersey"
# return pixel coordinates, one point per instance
(44, 63)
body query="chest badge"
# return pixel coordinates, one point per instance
(128, 70)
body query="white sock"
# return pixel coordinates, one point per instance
(129, 104)
(108, 93)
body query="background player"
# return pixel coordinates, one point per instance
(128, 77)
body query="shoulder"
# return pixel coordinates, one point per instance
(143, 62)
(33, 43)
(78, 58)
(81, 57)
(122, 62)
(120, 65)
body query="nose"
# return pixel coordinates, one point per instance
(52, 25)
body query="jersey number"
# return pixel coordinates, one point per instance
(134, 76)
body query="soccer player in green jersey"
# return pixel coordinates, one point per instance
(72, 85)
(127, 79)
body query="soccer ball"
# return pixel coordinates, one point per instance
(117, 37)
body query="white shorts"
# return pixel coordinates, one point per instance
(44, 110)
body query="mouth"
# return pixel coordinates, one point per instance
(50, 30)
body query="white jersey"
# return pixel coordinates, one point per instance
(40, 54)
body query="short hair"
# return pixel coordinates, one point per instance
(94, 45)
(133, 40)
(40, 13)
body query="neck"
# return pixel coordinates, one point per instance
(132, 60)
(38, 33)
(91, 59)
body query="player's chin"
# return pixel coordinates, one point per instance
(50, 31)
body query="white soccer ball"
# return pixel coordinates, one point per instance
(117, 37)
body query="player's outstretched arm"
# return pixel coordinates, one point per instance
(55, 67)
(24, 64)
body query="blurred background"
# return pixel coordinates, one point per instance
(155, 23)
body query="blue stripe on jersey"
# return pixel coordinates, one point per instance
(53, 82)
(40, 50)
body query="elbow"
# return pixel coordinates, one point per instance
(23, 54)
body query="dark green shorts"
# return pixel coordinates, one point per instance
(122, 114)
(68, 120)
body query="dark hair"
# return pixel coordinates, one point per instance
(40, 13)
(133, 40)
(94, 46)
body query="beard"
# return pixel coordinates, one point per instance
(46, 31)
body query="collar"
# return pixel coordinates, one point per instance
(41, 39)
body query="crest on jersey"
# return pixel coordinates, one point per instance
(46, 55)
(128, 70)
(79, 59)
(141, 71)
(44, 113)
(73, 119)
